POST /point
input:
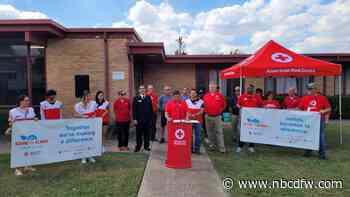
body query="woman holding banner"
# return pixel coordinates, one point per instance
(86, 108)
(102, 111)
(23, 111)
(270, 101)
(50, 108)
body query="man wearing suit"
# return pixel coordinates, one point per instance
(142, 115)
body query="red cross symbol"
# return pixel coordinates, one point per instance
(281, 57)
(179, 134)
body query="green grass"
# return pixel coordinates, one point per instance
(275, 163)
(114, 174)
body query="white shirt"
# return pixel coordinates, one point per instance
(81, 109)
(45, 105)
(18, 113)
(104, 105)
(196, 105)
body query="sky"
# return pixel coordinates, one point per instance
(207, 26)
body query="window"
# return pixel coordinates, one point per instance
(82, 82)
(280, 85)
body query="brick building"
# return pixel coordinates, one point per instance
(39, 54)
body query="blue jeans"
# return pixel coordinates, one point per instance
(322, 147)
(197, 127)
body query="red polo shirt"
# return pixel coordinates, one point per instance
(291, 102)
(122, 110)
(177, 110)
(154, 99)
(273, 104)
(249, 100)
(214, 103)
(314, 103)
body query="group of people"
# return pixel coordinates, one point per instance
(143, 110)
(313, 101)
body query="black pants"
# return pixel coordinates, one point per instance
(154, 127)
(241, 144)
(123, 133)
(142, 135)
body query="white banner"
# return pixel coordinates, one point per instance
(43, 142)
(297, 129)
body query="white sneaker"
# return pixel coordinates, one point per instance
(251, 149)
(18, 172)
(30, 168)
(238, 150)
(91, 160)
(83, 161)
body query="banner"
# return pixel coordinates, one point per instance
(297, 129)
(49, 141)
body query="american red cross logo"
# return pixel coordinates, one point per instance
(281, 57)
(179, 134)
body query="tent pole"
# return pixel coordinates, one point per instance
(240, 82)
(340, 112)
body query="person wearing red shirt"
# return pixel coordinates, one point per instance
(176, 108)
(102, 110)
(291, 101)
(214, 105)
(270, 101)
(151, 93)
(315, 102)
(248, 99)
(195, 111)
(122, 116)
(50, 108)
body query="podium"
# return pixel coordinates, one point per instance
(179, 144)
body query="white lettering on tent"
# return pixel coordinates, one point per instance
(291, 70)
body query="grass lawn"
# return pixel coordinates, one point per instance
(114, 174)
(275, 163)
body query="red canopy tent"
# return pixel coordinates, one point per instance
(275, 60)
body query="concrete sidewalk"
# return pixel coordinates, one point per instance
(199, 181)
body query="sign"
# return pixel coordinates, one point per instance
(118, 75)
(297, 129)
(43, 142)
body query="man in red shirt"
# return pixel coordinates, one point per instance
(151, 93)
(292, 100)
(315, 102)
(176, 108)
(248, 99)
(122, 119)
(214, 105)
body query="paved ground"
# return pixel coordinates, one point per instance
(199, 181)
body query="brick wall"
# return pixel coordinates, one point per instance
(177, 76)
(69, 57)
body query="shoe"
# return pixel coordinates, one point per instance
(92, 160)
(136, 150)
(18, 172)
(161, 141)
(322, 157)
(206, 140)
(147, 149)
(211, 148)
(83, 161)
(197, 152)
(238, 150)
(307, 154)
(251, 149)
(29, 168)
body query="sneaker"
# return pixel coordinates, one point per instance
(322, 157)
(238, 150)
(18, 172)
(83, 161)
(29, 168)
(251, 149)
(92, 160)
(136, 150)
(161, 141)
